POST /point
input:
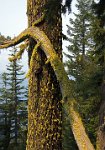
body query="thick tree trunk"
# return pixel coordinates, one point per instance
(44, 107)
(101, 138)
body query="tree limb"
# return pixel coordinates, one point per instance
(77, 126)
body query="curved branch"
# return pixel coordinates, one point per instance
(46, 46)
(77, 126)
(36, 34)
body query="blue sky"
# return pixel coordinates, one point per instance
(13, 20)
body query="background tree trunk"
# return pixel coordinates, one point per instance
(100, 38)
(44, 107)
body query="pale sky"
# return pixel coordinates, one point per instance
(13, 20)
(65, 21)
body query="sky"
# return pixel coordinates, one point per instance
(13, 20)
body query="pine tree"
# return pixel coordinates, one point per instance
(5, 113)
(80, 42)
(99, 58)
(81, 66)
(17, 94)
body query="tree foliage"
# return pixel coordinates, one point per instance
(5, 113)
(82, 68)
(14, 104)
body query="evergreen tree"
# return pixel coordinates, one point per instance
(5, 113)
(17, 94)
(81, 66)
(99, 58)
(80, 42)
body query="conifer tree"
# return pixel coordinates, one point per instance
(99, 58)
(81, 66)
(80, 42)
(5, 113)
(17, 94)
(13, 107)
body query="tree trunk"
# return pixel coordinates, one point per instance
(101, 130)
(44, 107)
(100, 10)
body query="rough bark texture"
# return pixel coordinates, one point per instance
(101, 129)
(44, 107)
(101, 139)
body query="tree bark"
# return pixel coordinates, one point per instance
(101, 129)
(44, 107)
(100, 38)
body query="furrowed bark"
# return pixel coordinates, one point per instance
(45, 109)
